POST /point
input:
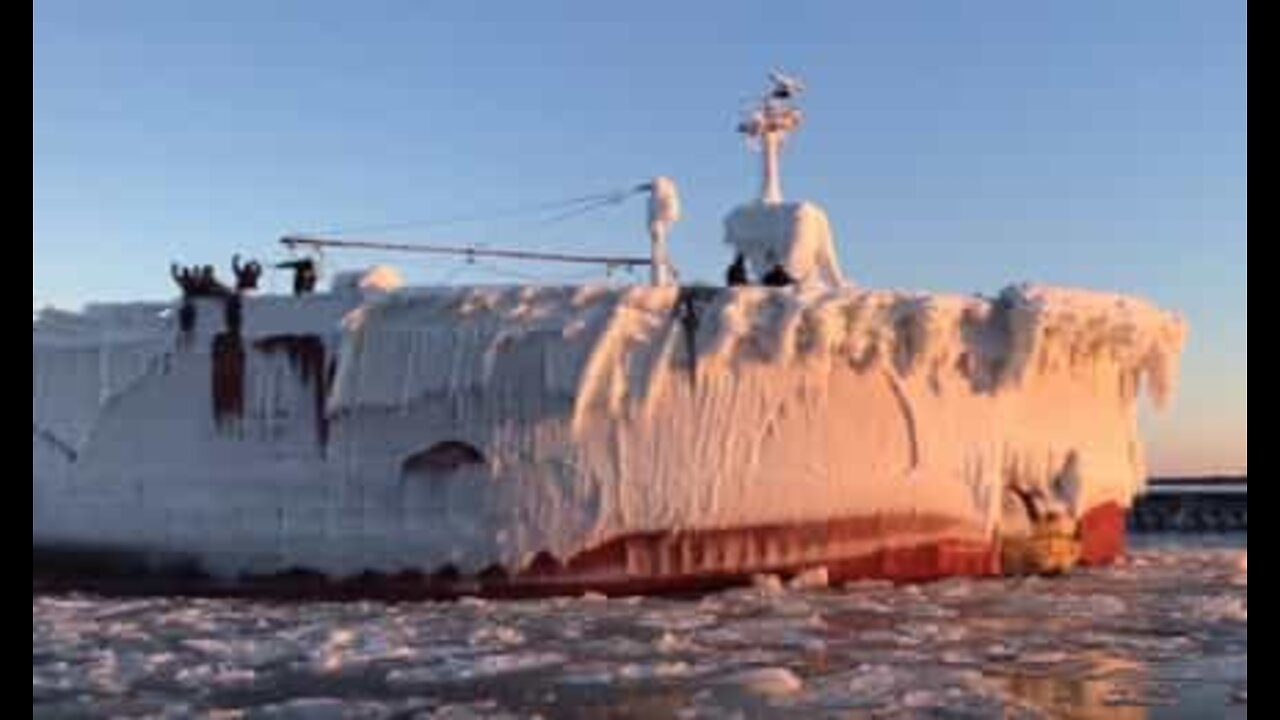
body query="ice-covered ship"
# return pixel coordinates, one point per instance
(533, 439)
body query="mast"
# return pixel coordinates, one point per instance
(769, 124)
(664, 211)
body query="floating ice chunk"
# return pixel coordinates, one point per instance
(1001, 653)
(215, 677)
(208, 646)
(869, 606)
(641, 672)
(955, 589)
(922, 700)
(879, 637)
(671, 643)
(813, 646)
(320, 709)
(931, 611)
(484, 710)
(1242, 697)
(1221, 608)
(180, 711)
(401, 677)
(875, 681)
(769, 682)
(814, 579)
(596, 673)
(930, 633)
(345, 649)
(474, 603)
(958, 658)
(342, 638)
(678, 621)
(1136, 694)
(867, 586)
(497, 635)
(498, 665)
(1104, 605)
(1044, 657)
(769, 584)
(248, 652)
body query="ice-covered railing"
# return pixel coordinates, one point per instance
(449, 341)
(81, 360)
(1056, 327)
(120, 323)
(593, 342)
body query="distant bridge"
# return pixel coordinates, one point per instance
(1198, 505)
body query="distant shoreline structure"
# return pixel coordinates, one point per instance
(1207, 504)
(1199, 480)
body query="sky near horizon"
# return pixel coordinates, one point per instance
(958, 147)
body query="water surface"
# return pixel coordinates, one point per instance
(1163, 635)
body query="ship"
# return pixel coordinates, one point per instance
(374, 439)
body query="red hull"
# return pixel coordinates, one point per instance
(904, 548)
(1103, 534)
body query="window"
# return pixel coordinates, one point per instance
(442, 459)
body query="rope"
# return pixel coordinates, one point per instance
(593, 201)
(530, 278)
(292, 241)
(568, 208)
(592, 207)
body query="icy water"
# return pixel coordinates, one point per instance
(1165, 635)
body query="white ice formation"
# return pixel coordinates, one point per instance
(796, 236)
(476, 426)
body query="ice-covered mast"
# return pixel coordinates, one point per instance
(775, 242)
(664, 211)
(769, 124)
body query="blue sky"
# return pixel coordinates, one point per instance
(957, 146)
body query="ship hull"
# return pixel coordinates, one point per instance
(518, 441)
(830, 552)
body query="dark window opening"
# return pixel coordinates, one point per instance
(443, 458)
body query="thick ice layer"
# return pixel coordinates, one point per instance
(80, 362)
(484, 426)
(664, 202)
(796, 236)
(813, 390)
(84, 363)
